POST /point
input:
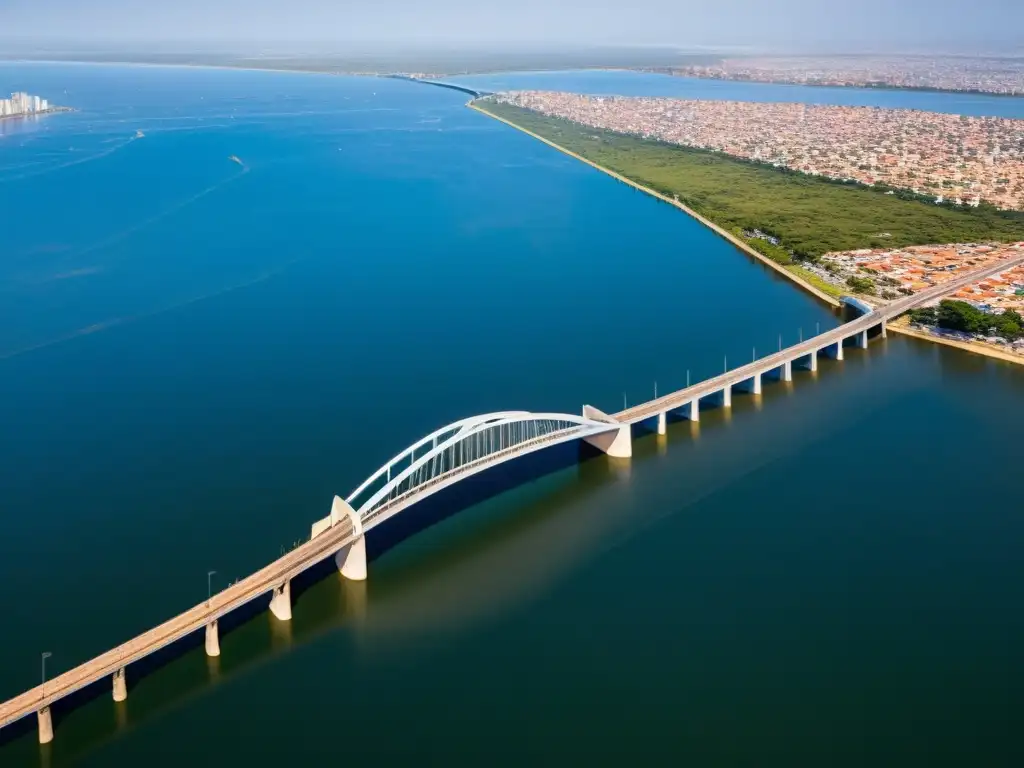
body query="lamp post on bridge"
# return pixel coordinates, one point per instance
(45, 655)
(209, 586)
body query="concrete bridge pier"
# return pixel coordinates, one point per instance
(862, 340)
(281, 602)
(662, 423)
(351, 560)
(693, 410)
(884, 329)
(755, 385)
(45, 725)
(727, 396)
(617, 443)
(120, 686)
(212, 639)
(787, 370)
(835, 350)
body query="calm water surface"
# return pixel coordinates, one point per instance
(198, 353)
(624, 83)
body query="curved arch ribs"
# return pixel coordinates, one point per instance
(460, 450)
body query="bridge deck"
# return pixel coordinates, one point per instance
(317, 549)
(679, 398)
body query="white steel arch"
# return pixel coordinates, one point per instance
(459, 450)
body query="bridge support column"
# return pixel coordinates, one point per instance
(862, 340)
(727, 396)
(212, 639)
(120, 686)
(281, 602)
(814, 361)
(662, 424)
(351, 560)
(884, 327)
(836, 350)
(617, 443)
(787, 370)
(755, 385)
(45, 725)
(693, 410)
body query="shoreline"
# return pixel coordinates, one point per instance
(52, 111)
(976, 348)
(721, 232)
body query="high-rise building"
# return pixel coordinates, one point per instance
(22, 104)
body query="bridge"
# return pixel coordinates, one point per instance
(442, 458)
(475, 93)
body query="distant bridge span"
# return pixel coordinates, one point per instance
(446, 456)
(474, 92)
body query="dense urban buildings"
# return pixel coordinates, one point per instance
(22, 104)
(950, 73)
(893, 273)
(950, 158)
(905, 271)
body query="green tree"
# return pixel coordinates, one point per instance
(861, 284)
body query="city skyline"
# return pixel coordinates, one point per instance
(913, 26)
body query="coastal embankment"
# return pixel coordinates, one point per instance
(804, 284)
(977, 347)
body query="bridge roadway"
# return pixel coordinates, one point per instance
(725, 381)
(342, 531)
(203, 615)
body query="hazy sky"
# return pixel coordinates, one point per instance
(817, 24)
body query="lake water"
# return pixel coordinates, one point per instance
(197, 353)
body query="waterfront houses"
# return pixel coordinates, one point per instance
(949, 158)
(905, 271)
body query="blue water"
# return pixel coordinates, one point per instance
(195, 355)
(622, 83)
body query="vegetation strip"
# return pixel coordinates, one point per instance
(804, 283)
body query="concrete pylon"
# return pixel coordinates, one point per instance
(885, 331)
(787, 370)
(351, 560)
(281, 602)
(617, 443)
(693, 410)
(863, 339)
(727, 396)
(662, 424)
(814, 361)
(212, 639)
(120, 686)
(839, 349)
(45, 725)
(755, 385)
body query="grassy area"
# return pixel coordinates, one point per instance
(822, 285)
(810, 216)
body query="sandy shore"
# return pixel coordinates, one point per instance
(977, 347)
(819, 294)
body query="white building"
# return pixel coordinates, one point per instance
(22, 104)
